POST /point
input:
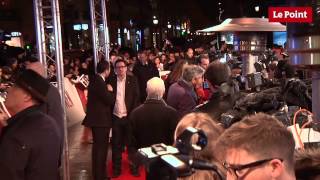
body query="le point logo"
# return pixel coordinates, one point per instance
(290, 14)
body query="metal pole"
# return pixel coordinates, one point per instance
(60, 80)
(94, 33)
(41, 44)
(105, 29)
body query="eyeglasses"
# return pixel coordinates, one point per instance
(235, 170)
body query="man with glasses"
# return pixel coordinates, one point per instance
(258, 147)
(127, 94)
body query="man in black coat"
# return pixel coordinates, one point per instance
(98, 117)
(154, 112)
(144, 69)
(127, 98)
(30, 144)
(53, 106)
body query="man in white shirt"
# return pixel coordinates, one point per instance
(127, 98)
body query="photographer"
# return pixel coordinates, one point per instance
(224, 91)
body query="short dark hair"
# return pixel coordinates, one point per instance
(217, 73)
(102, 66)
(118, 61)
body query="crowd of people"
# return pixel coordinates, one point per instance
(144, 99)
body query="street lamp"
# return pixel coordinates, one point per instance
(169, 25)
(155, 20)
(257, 8)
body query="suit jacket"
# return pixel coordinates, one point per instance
(53, 108)
(30, 147)
(182, 97)
(153, 113)
(100, 101)
(132, 95)
(143, 74)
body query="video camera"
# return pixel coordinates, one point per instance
(177, 160)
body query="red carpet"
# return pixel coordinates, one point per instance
(126, 170)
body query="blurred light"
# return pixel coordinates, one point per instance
(76, 27)
(257, 8)
(169, 25)
(155, 21)
(85, 27)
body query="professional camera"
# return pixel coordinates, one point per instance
(171, 162)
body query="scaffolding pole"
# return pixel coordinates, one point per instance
(49, 45)
(99, 30)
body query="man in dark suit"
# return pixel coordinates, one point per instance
(154, 112)
(144, 69)
(127, 98)
(98, 117)
(30, 144)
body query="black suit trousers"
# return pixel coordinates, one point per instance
(99, 152)
(120, 137)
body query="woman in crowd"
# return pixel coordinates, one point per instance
(213, 130)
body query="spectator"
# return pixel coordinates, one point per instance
(258, 147)
(144, 70)
(203, 91)
(175, 75)
(181, 95)
(170, 64)
(204, 61)
(190, 56)
(30, 144)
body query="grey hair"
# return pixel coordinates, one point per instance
(191, 71)
(155, 88)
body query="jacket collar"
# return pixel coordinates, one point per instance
(154, 101)
(185, 84)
